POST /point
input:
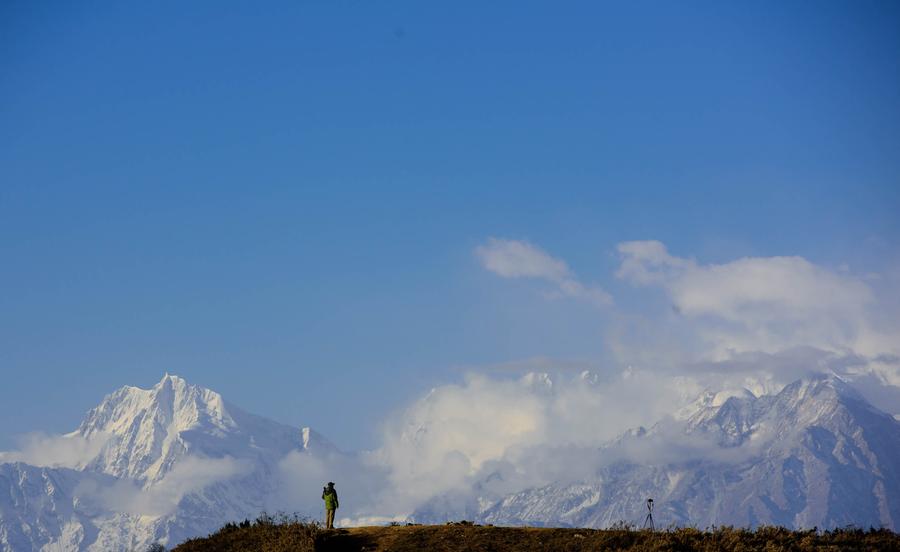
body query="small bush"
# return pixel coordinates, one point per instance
(268, 533)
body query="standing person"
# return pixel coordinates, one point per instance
(329, 495)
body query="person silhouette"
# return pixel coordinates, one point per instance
(329, 495)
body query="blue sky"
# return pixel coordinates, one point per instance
(282, 203)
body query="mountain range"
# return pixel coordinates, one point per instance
(177, 460)
(816, 454)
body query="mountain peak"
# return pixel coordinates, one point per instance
(171, 461)
(819, 387)
(171, 402)
(146, 426)
(171, 380)
(148, 430)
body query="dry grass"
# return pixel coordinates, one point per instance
(267, 534)
(295, 535)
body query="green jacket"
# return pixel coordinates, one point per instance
(331, 499)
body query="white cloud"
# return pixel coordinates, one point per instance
(648, 262)
(770, 287)
(535, 429)
(520, 259)
(190, 474)
(751, 311)
(361, 485)
(56, 451)
(760, 303)
(751, 323)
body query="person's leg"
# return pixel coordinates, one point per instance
(329, 519)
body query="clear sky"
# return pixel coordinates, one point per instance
(280, 201)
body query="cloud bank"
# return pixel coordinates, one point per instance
(535, 429)
(190, 474)
(740, 311)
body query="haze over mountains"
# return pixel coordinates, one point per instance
(177, 460)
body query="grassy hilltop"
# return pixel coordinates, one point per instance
(269, 535)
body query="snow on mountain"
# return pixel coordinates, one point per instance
(151, 429)
(176, 461)
(815, 454)
(36, 507)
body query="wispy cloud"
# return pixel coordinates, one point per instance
(56, 451)
(520, 259)
(190, 475)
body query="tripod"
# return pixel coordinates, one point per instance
(648, 521)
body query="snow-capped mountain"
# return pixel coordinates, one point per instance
(815, 454)
(149, 430)
(175, 461)
(39, 509)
